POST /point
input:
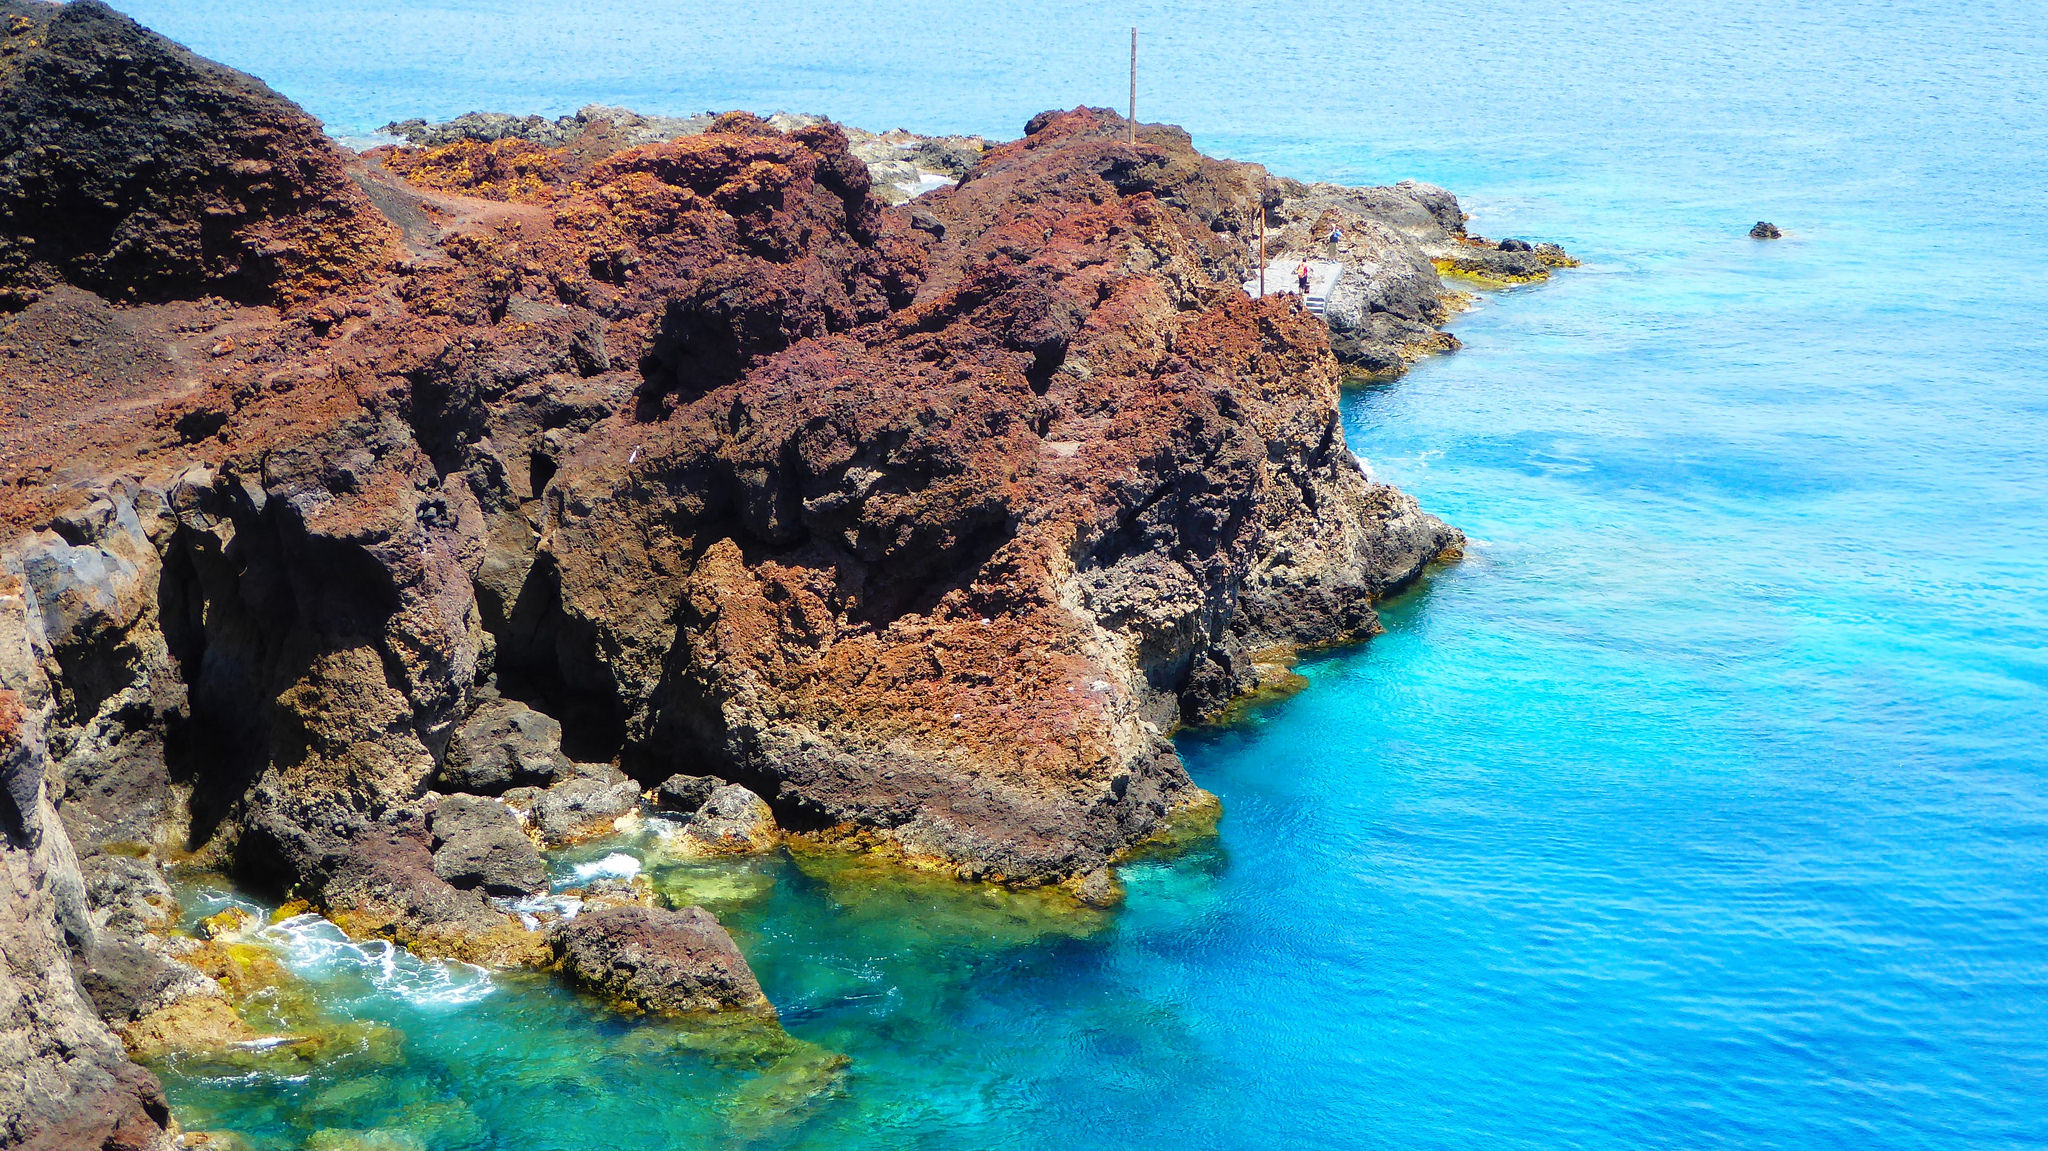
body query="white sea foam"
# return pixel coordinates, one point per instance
(617, 865)
(317, 950)
(530, 909)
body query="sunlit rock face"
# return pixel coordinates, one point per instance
(553, 471)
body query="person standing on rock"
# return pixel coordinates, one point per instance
(1336, 236)
(1301, 277)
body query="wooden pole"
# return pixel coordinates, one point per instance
(1262, 237)
(1131, 121)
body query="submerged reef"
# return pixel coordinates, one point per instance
(372, 522)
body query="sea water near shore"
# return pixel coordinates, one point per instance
(1704, 805)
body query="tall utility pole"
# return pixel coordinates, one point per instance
(1131, 121)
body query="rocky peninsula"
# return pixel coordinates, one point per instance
(371, 522)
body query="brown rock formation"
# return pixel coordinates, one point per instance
(926, 525)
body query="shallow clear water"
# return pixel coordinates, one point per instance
(1703, 805)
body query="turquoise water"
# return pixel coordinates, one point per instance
(1704, 805)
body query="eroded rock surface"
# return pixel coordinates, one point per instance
(920, 528)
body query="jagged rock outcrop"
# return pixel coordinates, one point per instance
(918, 528)
(64, 1080)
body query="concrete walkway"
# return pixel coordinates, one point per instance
(1322, 279)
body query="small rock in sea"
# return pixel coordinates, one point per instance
(584, 807)
(658, 961)
(1765, 230)
(1516, 246)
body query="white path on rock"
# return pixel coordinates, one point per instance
(1322, 279)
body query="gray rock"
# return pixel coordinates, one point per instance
(685, 792)
(658, 961)
(128, 896)
(502, 745)
(478, 844)
(583, 807)
(127, 981)
(732, 821)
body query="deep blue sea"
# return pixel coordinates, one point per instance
(1704, 805)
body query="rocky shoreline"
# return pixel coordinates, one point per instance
(374, 522)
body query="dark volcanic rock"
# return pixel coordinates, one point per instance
(583, 807)
(478, 843)
(127, 981)
(731, 821)
(685, 792)
(1765, 230)
(139, 170)
(502, 745)
(658, 961)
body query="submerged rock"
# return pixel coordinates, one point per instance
(478, 843)
(1765, 230)
(658, 961)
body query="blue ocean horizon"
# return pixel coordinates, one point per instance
(1704, 804)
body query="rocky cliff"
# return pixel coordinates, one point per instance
(555, 469)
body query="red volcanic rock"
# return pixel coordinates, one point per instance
(929, 535)
(658, 961)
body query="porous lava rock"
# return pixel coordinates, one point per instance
(661, 962)
(479, 844)
(502, 745)
(140, 171)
